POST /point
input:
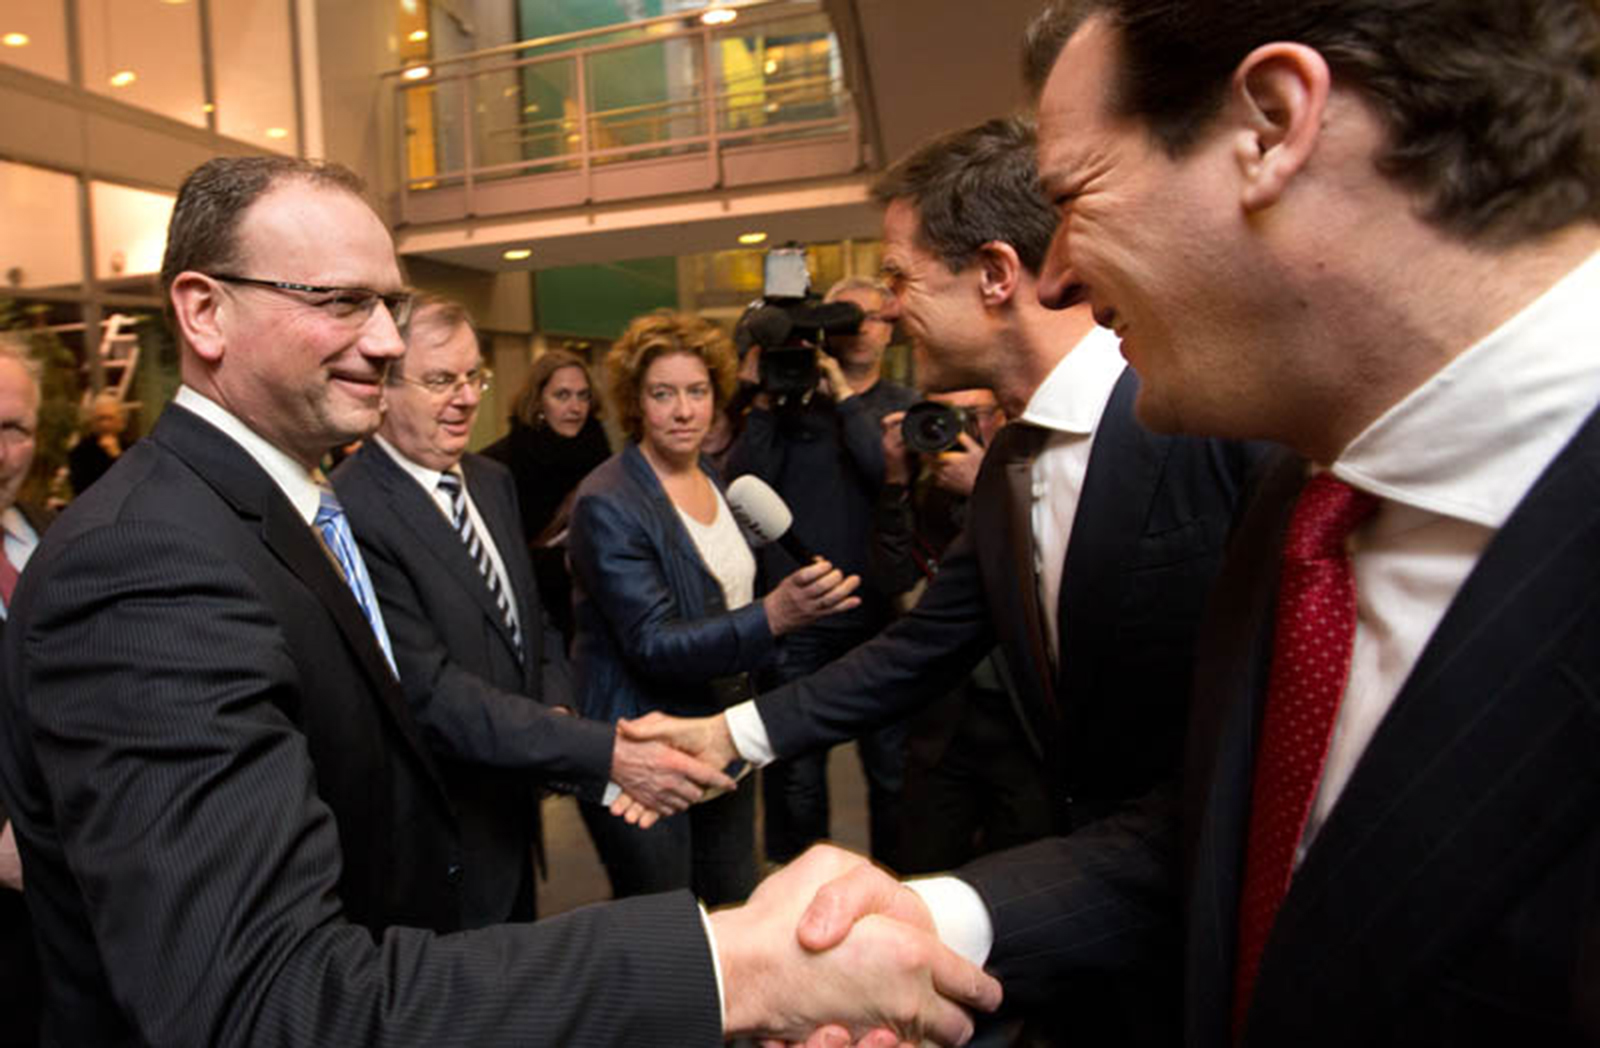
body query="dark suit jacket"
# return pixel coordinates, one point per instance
(1453, 894)
(228, 813)
(483, 710)
(1146, 541)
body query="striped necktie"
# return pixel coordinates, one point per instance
(451, 485)
(335, 530)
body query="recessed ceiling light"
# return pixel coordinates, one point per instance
(517, 254)
(123, 78)
(15, 39)
(752, 238)
(771, 66)
(420, 72)
(718, 15)
(277, 132)
(209, 108)
(417, 36)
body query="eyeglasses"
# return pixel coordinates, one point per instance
(450, 385)
(353, 305)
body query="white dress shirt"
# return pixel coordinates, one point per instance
(20, 542)
(1069, 403)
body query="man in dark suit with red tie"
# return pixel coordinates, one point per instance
(1369, 231)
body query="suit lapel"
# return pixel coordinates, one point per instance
(1005, 511)
(236, 477)
(434, 532)
(1124, 469)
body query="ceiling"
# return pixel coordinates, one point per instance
(917, 68)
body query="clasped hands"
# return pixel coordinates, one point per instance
(831, 951)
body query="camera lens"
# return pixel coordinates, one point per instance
(930, 427)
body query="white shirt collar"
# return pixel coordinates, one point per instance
(428, 478)
(1073, 396)
(297, 483)
(14, 525)
(1471, 441)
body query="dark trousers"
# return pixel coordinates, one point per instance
(709, 849)
(973, 784)
(794, 791)
(20, 988)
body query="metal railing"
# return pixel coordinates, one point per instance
(668, 87)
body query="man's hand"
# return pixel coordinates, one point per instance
(657, 778)
(956, 470)
(10, 860)
(888, 972)
(896, 463)
(707, 739)
(807, 594)
(838, 386)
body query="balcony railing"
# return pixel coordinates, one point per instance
(663, 106)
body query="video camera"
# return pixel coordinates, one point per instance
(789, 324)
(930, 427)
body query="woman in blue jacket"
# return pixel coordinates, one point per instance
(664, 596)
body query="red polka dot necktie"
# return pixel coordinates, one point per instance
(1314, 631)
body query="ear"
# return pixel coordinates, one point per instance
(999, 270)
(1281, 91)
(199, 308)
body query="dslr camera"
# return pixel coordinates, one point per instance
(789, 324)
(930, 427)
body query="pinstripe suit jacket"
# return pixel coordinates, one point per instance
(1453, 894)
(483, 708)
(227, 812)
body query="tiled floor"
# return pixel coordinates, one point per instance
(576, 877)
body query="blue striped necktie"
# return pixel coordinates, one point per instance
(335, 530)
(450, 484)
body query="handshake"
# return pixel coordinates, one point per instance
(830, 951)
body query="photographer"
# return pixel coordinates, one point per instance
(821, 450)
(973, 782)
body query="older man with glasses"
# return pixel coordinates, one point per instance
(482, 668)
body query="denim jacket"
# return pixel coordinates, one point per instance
(653, 631)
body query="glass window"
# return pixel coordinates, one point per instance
(130, 229)
(33, 36)
(253, 65)
(39, 212)
(145, 53)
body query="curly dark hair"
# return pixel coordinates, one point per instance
(661, 334)
(1492, 106)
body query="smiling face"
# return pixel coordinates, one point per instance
(299, 374)
(564, 401)
(1144, 238)
(19, 421)
(432, 429)
(676, 402)
(939, 312)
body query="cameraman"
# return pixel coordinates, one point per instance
(974, 780)
(822, 452)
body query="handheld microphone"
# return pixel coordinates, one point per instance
(764, 516)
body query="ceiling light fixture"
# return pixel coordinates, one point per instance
(718, 15)
(418, 72)
(517, 254)
(417, 36)
(15, 39)
(752, 238)
(277, 132)
(123, 78)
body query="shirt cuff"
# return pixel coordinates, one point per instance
(749, 734)
(960, 918)
(716, 964)
(613, 791)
